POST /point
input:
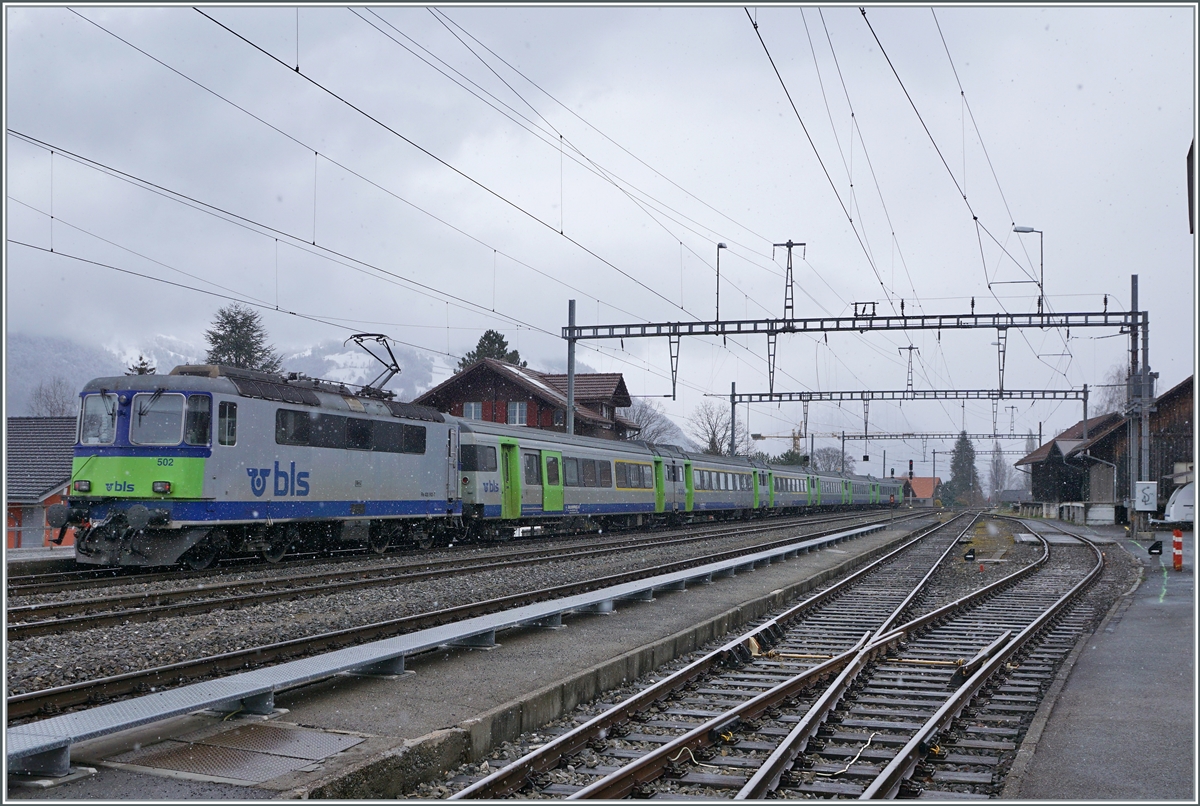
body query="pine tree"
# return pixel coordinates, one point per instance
(963, 488)
(142, 367)
(492, 344)
(238, 339)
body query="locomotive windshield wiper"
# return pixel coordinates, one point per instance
(144, 409)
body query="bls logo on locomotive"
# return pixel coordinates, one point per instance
(286, 482)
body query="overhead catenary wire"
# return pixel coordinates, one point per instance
(295, 140)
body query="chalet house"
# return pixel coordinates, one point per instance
(39, 451)
(1086, 479)
(500, 392)
(922, 491)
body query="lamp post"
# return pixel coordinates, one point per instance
(720, 246)
(1041, 263)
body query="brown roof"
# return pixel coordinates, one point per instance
(924, 486)
(1072, 438)
(606, 386)
(39, 452)
(536, 383)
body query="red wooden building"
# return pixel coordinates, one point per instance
(38, 451)
(500, 392)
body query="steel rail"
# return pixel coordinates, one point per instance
(57, 582)
(768, 776)
(514, 776)
(152, 606)
(905, 761)
(651, 766)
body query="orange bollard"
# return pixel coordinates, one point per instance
(1178, 549)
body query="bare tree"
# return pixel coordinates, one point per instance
(709, 424)
(999, 474)
(53, 398)
(1110, 395)
(649, 414)
(830, 460)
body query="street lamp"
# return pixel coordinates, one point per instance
(1041, 263)
(720, 246)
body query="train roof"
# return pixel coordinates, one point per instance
(292, 388)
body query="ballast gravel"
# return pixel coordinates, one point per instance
(49, 661)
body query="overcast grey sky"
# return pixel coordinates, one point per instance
(448, 148)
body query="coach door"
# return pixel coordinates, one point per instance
(659, 489)
(452, 492)
(552, 481)
(531, 481)
(689, 485)
(510, 479)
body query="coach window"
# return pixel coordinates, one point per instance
(605, 474)
(570, 472)
(227, 423)
(587, 472)
(552, 471)
(533, 468)
(518, 413)
(98, 424)
(472, 411)
(477, 458)
(156, 419)
(197, 427)
(292, 427)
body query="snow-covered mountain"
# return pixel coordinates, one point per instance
(36, 359)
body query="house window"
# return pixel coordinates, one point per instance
(560, 417)
(518, 413)
(472, 411)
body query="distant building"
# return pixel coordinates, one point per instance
(1086, 480)
(39, 451)
(500, 392)
(922, 491)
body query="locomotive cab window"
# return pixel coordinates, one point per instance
(98, 420)
(227, 423)
(156, 419)
(197, 428)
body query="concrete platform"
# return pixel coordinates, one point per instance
(459, 702)
(1123, 726)
(40, 559)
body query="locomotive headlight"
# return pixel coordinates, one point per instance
(82, 486)
(161, 487)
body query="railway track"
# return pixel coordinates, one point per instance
(189, 598)
(876, 687)
(59, 698)
(48, 583)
